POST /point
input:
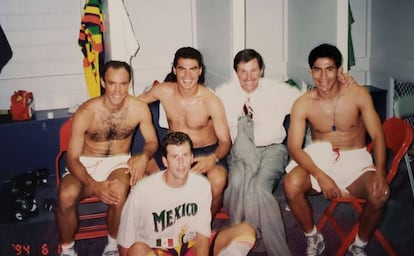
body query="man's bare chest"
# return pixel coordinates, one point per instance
(110, 130)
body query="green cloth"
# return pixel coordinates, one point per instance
(351, 54)
(292, 83)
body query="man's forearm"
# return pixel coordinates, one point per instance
(222, 150)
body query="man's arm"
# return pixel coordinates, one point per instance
(374, 128)
(152, 94)
(221, 128)
(216, 111)
(138, 163)
(297, 131)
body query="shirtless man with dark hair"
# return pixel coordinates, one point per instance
(337, 163)
(99, 161)
(193, 109)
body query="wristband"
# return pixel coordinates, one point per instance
(216, 159)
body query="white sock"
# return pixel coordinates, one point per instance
(68, 247)
(112, 244)
(236, 248)
(313, 232)
(358, 242)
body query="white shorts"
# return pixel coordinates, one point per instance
(343, 166)
(101, 167)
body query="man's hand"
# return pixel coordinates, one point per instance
(105, 193)
(345, 79)
(137, 165)
(328, 186)
(380, 188)
(204, 163)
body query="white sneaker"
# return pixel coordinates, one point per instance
(316, 245)
(355, 250)
(110, 251)
(69, 252)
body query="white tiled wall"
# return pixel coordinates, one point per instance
(47, 60)
(46, 57)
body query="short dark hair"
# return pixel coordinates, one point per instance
(190, 53)
(175, 138)
(116, 64)
(325, 51)
(247, 55)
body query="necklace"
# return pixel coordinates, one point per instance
(334, 105)
(333, 113)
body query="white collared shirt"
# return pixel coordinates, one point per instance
(271, 101)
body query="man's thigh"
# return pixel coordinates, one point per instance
(361, 187)
(122, 175)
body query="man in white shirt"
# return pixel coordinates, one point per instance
(265, 103)
(164, 216)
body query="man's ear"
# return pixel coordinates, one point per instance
(164, 161)
(102, 82)
(340, 70)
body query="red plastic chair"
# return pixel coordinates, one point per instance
(398, 137)
(85, 231)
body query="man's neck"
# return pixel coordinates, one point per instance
(111, 107)
(171, 182)
(331, 94)
(188, 93)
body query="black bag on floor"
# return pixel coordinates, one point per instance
(20, 195)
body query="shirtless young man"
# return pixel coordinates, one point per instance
(337, 163)
(193, 109)
(98, 159)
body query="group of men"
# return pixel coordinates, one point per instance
(224, 148)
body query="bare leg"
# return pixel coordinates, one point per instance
(372, 213)
(218, 179)
(140, 249)
(67, 211)
(296, 184)
(243, 233)
(114, 211)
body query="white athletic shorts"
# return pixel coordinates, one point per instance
(343, 166)
(101, 167)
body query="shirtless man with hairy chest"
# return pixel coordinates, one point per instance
(99, 161)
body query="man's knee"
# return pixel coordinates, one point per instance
(376, 203)
(138, 248)
(294, 183)
(68, 197)
(218, 179)
(121, 187)
(247, 230)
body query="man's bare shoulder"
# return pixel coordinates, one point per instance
(307, 97)
(89, 106)
(210, 97)
(356, 93)
(136, 103)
